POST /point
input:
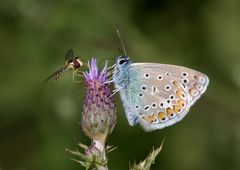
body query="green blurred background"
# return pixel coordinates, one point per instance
(37, 122)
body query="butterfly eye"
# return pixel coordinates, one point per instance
(122, 61)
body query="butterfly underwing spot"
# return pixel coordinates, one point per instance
(170, 112)
(151, 118)
(155, 119)
(140, 94)
(180, 94)
(185, 81)
(144, 88)
(200, 79)
(184, 86)
(177, 109)
(175, 83)
(162, 117)
(144, 118)
(167, 87)
(154, 105)
(167, 74)
(198, 86)
(147, 107)
(181, 103)
(184, 74)
(168, 101)
(160, 77)
(193, 92)
(172, 97)
(161, 104)
(136, 106)
(154, 90)
(146, 75)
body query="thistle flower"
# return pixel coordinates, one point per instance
(98, 117)
(99, 112)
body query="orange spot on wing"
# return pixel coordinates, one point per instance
(169, 111)
(175, 83)
(144, 118)
(161, 116)
(150, 118)
(176, 108)
(181, 103)
(179, 93)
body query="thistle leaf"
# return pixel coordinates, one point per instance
(149, 161)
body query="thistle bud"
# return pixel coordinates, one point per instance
(99, 112)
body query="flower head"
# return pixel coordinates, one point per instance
(99, 112)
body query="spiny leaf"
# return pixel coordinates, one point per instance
(147, 163)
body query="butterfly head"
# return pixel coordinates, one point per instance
(122, 61)
(120, 72)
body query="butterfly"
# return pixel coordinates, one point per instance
(72, 63)
(156, 95)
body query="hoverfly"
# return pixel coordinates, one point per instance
(72, 63)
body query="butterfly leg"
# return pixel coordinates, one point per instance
(110, 80)
(115, 91)
(111, 67)
(110, 73)
(107, 82)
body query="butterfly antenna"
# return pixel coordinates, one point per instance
(119, 36)
(120, 50)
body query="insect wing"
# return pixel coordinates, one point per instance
(69, 55)
(160, 94)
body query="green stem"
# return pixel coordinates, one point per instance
(100, 146)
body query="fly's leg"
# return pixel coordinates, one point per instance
(77, 73)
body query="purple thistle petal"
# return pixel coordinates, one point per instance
(103, 74)
(93, 72)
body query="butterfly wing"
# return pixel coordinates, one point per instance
(159, 95)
